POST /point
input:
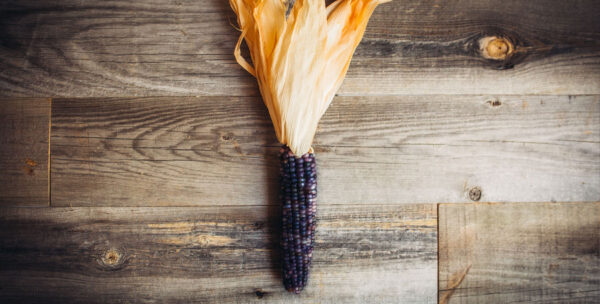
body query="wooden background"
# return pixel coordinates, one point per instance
(139, 164)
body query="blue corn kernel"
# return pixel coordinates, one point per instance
(297, 192)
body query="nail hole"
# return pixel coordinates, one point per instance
(29, 167)
(260, 294)
(475, 194)
(494, 103)
(30, 162)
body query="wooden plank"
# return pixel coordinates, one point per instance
(410, 149)
(24, 125)
(519, 253)
(75, 48)
(369, 253)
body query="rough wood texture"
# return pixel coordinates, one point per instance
(75, 48)
(410, 149)
(445, 101)
(519, 253)
(364, 254)
(24, 125)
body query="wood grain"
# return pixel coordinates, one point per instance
(74, 48)
(24, 125)
(411, 149)
(519, 253)
(213, 254)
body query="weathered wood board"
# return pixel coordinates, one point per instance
(75, 48)
(171, 151)
(374, 254)
(519, 253)
(24, 125)
(174, 198)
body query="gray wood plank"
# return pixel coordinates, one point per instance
(519, 253)
(24, 125)
(410, 149)
(219, 254)
(77, 48)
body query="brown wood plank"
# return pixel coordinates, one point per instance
(519, 253)
(369, 253)
(76, 48)
(24, 125)
(409, 149)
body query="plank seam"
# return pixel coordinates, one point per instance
(202, 96)
(49, 152)
(437, 251)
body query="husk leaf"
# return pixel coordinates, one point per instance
(300, 61)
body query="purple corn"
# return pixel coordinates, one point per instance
(298, 195)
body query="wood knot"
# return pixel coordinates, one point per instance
(112, 259)
(475, 194)
(495, 48)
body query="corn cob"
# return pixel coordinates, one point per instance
(301, 51)
(298, 194)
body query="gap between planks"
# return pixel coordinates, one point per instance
(50, 153)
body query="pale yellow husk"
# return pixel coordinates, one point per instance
(300, 61)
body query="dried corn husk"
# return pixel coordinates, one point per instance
(300, 61)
